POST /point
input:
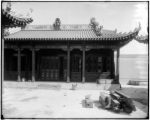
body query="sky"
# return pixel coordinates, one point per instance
(123, 16)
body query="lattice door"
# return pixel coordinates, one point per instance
(50, 68)
(76, 67)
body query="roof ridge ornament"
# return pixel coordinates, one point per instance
(57, 24)
(139, 26)
(8, 7)
(115, 30)
(141, 38)
(10, 19)
(95, 27)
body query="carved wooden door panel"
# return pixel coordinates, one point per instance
(76, 67)
(49, 68)
(63, 68)
(94, 67)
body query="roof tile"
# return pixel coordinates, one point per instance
(72, 34)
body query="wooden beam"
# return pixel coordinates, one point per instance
(64, 47)
(10, 46)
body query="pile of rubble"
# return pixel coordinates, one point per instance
(112, 100)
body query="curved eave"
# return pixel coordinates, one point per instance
(11, 21)
(142, 39)
(118, 39)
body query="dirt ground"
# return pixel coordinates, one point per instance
(57, 103)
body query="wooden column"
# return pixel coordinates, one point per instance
(83, 64)
(33, 64)
(113, 65)
(2, 53)
(117, 66)
(19, 64)
(68, 64)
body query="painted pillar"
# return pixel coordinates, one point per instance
(68, 64)
(83, 65)
(33, 65)
(19, 64)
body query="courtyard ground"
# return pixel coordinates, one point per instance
(54, 101)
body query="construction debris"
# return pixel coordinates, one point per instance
(88, 103)
(116, 101)
(74, 86)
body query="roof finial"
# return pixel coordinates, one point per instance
(139, 26)
(30, 12)
(93, 23)
(8, 7)
(116, 30)
(95, 26)
(57, 24)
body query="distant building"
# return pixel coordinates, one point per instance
(10, 21)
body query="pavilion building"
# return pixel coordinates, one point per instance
(66, 53)
(9, 20)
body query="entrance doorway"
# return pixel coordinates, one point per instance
(62, 68)
(76, 66)
(49, 68)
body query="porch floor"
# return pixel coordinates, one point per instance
(56, 85)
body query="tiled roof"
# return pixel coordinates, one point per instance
(81, 33)
(9, 20)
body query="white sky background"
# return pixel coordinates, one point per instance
(124, 16)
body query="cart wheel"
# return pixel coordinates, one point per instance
(107, 102)
(101, 101)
